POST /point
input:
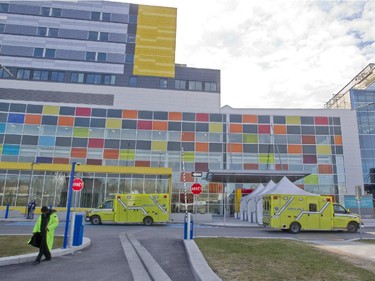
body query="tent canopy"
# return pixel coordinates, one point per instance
(285, 186)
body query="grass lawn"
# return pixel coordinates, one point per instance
(17, 245)
(276, 259)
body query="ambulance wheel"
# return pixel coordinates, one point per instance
(352, 227)
(295, 227)
(148, 220)
(95, 220)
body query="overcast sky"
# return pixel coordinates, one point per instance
(275, 53)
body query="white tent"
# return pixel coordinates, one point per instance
(245, 201)
(257, 202)
(284, 186)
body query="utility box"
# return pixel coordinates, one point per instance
(78, 230)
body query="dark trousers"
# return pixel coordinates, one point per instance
(43, 250)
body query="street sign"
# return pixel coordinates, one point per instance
(77, 184)
(196, 188)
(196, 174)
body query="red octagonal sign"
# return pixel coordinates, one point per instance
(196, 188)
(77, 184)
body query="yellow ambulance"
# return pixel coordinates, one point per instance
(298, 212)
(132, 208)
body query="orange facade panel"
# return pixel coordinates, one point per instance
(111, 153)
(235, 147)
(160, 125)
(338, 140)
(325, 169)
(295, 149)
(250, 119)
(130, 114)
(33, 119)
(279, 129)
(201, 146)
(235, 128)
(188, 136)
(66, 121)
(78, 152)
(177, 116)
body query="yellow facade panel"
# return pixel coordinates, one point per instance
(156, 41)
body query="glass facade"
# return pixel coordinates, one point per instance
(55, 135)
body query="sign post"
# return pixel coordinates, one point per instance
(358, 195)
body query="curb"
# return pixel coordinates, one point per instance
(55, 253)
(202, 271)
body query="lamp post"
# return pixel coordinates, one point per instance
(31, 183)
(69, 203)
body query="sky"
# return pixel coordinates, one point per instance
(275, 53)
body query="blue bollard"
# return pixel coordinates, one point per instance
(191, 229)
(185, 228)
(7, 211)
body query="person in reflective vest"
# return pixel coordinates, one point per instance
(46, 225)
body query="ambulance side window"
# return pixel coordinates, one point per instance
(107, 205)
(312, 207)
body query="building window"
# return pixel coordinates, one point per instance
(163, 83)
(95, 15)
(38, 52)
(41, 31)
(57, 76)
(180, 84)
(56, 12)
(50, 53)
(94, 78)
(90, 56)
(209, 87)
(45, 11)
(132, 81)
(109, 79)
(106, 16)
(2, 28)
(53, 32)
(103, 36)
(195, 86)
(23, 74)
(93, 35)
(102, 57)
(4, 8)
(77, 77)
(4, 74)
(40, 75)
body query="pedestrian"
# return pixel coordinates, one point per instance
(45, 225)
(30, 209)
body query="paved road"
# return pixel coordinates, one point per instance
(105, 259)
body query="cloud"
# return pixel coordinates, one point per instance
(276, 53)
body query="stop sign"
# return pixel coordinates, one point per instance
(196, 188)
(77, 184)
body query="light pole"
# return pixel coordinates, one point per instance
(69, 203)
(31, 183)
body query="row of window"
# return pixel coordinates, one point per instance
(111, 113)
(90, 78)
(51, 53)
(59, 76)
(195, 85)
(58, 12)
